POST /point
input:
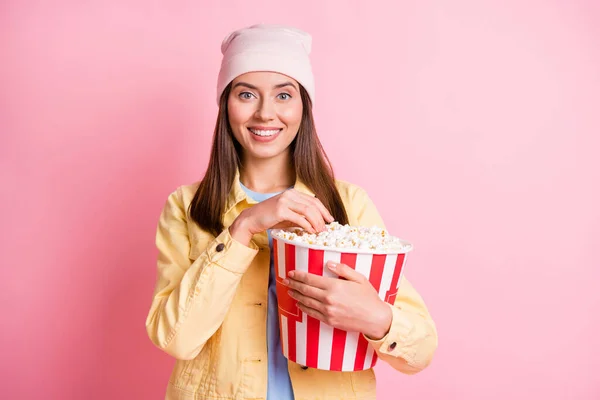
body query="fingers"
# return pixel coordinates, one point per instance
(312, 201)
(296, 219)
(344, 271)
(312, 312)
(298, 278)
(303, 197)
(310, 212)
(306, 290)
(307, 301)
(302, 210)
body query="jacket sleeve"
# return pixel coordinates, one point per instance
(191, 299)
(412, 339)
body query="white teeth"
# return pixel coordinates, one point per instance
(264, 133)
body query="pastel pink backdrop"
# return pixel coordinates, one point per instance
(473, 125)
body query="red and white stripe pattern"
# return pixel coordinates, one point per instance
(310, 342)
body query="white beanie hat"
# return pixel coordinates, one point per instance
(273, 48)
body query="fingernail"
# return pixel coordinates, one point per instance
(291, 293)
(286, 282)
(332, 264)
(291, 274)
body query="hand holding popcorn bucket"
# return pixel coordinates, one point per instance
(310, 342)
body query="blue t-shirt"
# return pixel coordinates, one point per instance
(279, 386)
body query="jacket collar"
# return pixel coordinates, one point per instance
(237, 194)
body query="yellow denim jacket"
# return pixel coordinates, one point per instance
(210, 307)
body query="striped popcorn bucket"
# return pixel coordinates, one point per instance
(310, 342)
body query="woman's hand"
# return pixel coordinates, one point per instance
(350, 304)
(290, 208)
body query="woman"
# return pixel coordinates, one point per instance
(214, 306)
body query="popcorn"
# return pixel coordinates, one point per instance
(338, 236)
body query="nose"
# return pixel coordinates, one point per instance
(265, 110)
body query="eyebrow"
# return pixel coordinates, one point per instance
(279, 86)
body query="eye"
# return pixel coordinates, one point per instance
(284, 96)
(246, 95)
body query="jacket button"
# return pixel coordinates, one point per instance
(304, 367)
(393, 346)
(220, 247)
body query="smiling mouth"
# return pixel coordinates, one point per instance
(264, 132)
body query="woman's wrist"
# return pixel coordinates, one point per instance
(239, 232)
(381, 324)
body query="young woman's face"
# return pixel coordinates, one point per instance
(264, 110)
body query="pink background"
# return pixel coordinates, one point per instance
(473, 125)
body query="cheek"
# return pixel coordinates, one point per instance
(235, 114)
(291, 116)
(238, 116)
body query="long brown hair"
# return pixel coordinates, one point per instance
(311, 164)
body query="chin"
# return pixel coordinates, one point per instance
(265, 154)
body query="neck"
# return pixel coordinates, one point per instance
(268, 175)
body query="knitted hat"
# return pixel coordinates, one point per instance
(273, 48)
